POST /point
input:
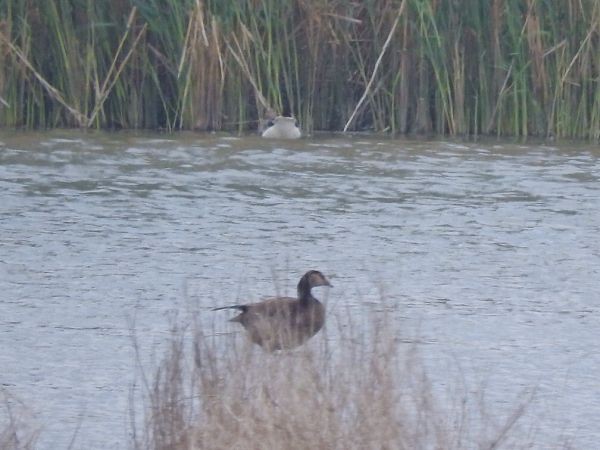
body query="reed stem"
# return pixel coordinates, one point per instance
(504, 67)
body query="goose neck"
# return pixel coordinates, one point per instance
(304, 294)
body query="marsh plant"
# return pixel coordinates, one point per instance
(348, 388)
(500, 67)
(356, 385)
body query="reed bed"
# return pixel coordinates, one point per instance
(360, 387)
(460, 67)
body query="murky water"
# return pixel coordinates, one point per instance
(489, 252)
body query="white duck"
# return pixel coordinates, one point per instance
(282, 128)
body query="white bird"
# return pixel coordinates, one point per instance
(282, 128)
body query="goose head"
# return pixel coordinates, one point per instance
(311, 279)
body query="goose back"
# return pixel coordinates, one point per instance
(283, 322)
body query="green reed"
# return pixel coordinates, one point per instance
(502, 67)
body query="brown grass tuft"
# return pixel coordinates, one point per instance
(16, 431)
(348, 388)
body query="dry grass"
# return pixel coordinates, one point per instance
(349, 388)
(16, 431)
(354, 386)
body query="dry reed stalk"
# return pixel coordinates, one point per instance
(499, 99)
(243, 64)
(51, 90)
(3, 54)
(496, 22)
(114, 71)
(536, 52)
(458, 84)
(376, 67)
(201, 94)
(559, 89)
(404, 70)
(195, 24)
(366, 389)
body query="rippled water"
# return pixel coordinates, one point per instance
(489, 253)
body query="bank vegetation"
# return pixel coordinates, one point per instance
(457, 67)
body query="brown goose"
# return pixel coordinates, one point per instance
(284, 322)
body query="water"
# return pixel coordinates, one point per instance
(488, 252)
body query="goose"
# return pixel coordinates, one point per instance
(284, 322)
(282, 128)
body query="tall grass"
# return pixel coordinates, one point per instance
(503, 67)
(367, 390)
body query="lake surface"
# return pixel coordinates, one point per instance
(488, 252)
